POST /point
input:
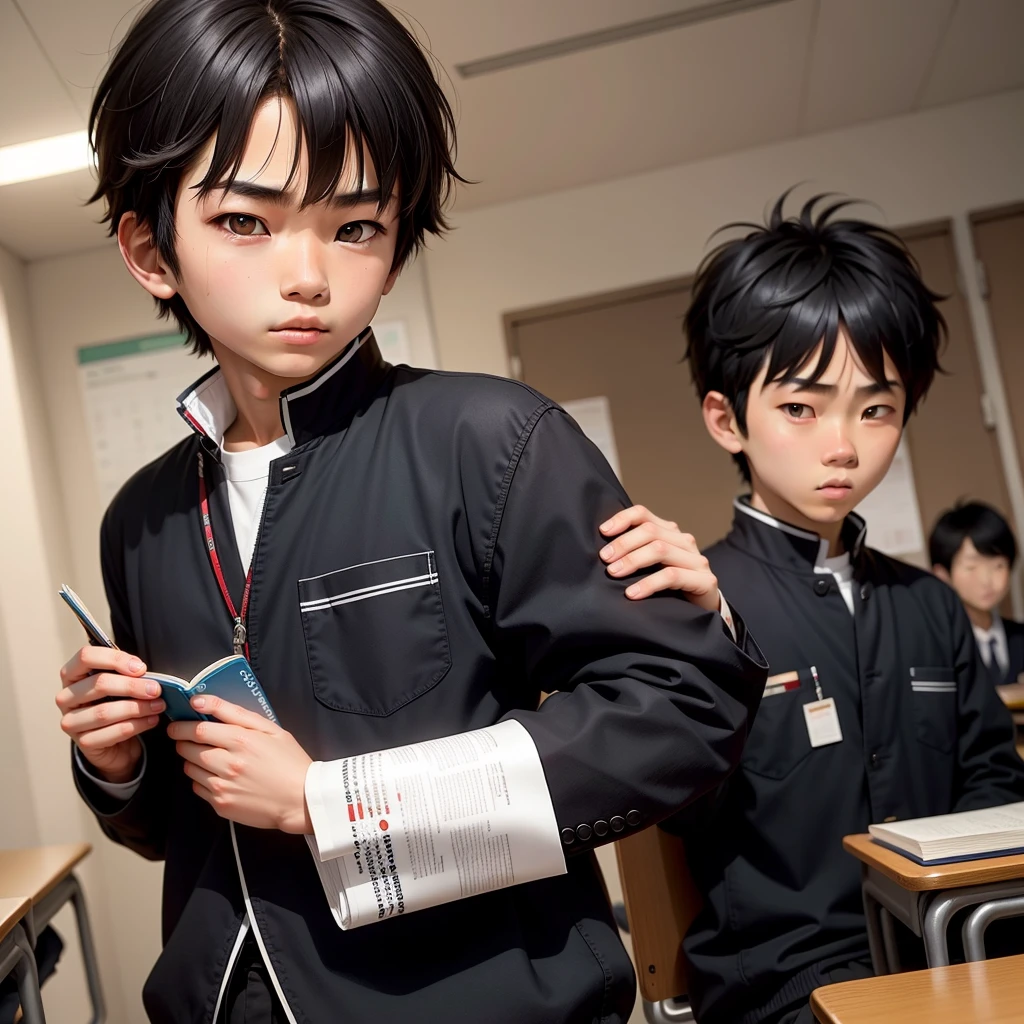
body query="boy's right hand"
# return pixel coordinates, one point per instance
(107, 732)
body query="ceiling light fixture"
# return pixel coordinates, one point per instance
(43, 158)
(604, 36)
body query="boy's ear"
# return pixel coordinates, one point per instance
(392, 278)
(720, 420)
(943, 573)
(142, 258)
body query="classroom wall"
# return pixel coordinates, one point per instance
(39, 802)
(654, 226)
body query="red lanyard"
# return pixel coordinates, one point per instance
(239, 640)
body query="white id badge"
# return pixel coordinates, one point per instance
(823, 722)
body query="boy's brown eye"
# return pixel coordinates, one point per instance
(240, 224)
(357, 231)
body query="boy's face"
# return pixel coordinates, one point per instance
(819, 448)
(981, 581)
(283, 288)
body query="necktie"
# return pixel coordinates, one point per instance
(993, 656)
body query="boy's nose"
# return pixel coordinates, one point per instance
(306, 277)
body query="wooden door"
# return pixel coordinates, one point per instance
(999, 245)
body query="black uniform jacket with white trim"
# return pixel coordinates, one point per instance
(493, 492)
(923, 733)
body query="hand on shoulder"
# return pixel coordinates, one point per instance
(642, 540)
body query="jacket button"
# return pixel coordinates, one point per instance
(874, 759)
(633, 817)
(600, 828)
(618, 823)
(866, 591)
(568, 836)
(583, 833)
(821, 587)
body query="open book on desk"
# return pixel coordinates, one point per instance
(232, 678)
(949, 838)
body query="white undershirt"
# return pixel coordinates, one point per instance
(842, 569)
(247, 474)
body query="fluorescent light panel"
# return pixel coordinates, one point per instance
(605, 36)
(44, 158)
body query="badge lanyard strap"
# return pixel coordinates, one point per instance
(239, 639)
(817, 684)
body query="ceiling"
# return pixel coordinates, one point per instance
(763, 75)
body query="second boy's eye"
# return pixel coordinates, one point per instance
(243, 224)
(798, 411)
(357, 231)
(876, 412)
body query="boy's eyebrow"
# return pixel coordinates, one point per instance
(863, 390)
(283, 197)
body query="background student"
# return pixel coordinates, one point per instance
(973, 549)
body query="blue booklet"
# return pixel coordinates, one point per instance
(232, 678)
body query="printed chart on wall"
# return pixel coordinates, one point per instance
(594, 418)
(891, 510)
(129, 390)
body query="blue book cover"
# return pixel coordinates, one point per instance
(961, 859)
(232, 679)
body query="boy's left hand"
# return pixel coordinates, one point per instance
(246, 767)
(649, 541)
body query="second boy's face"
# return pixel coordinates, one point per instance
(281, 287)
(981, 581)
(818, 449)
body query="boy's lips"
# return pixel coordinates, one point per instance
(300, 331)
(836, 490)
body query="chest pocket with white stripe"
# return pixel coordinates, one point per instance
(375, 633)
(933, 695)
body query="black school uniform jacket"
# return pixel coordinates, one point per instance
(783, 901)
(492, 491)
(1015, 649)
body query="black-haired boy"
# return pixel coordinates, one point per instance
(811, 340)
(421, 565)
(973, 549)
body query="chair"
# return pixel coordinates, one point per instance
(661, 903)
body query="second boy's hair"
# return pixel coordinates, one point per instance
(785, 287)
(986, 529)
(190, 68)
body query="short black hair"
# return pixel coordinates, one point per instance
(190, 68)
(987, 530)
(788, 285)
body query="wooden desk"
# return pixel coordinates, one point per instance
(1013, 695)
(37, 871)
(45, 875)
(920, 878)
(12, 911)
(16, 957)
(925, 898)
(990, 992)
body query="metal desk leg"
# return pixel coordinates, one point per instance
(69, 890)
(892, 951)
(669, 1011)
(977, 924)
(939, 911)
(876, 940)
(16, 957)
